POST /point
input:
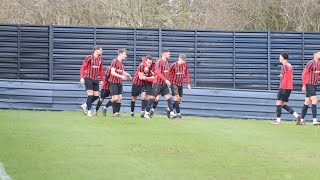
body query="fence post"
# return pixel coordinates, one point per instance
(18, 65)
(134, 48)
(195, 56)
(302, 51)
(94, 36)
(160, 42)
(51, 52)
(269, 60)
(234, 60)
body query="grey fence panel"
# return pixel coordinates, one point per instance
(251, 66)
(214, 59)
(71, 45)
(34, 52)
(44, 95)
(146, 43)
(9, 51)
(219, 59)
(113, 39)
(180, 42)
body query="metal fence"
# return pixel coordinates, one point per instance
(208, 102)
(220, 59)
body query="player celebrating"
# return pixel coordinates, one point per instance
(310, 77)
(178, 70)
(161, 83)
(117, 75)
(89, 71)
(140, 86)
(148, 86)
(286, 86)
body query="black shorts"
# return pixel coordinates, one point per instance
(91, 84)
(104, 93)
(283, 95)
(176, 90)
(115, 89)
(311, 90)
(136, 90)
(148, 88)
(162, 89)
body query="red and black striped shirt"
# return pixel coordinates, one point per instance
(177, 72)
(141, 69)
(152, 72)
(91, 67)
(286, 76)
(119, 66)
(161, 71)
(309, 74)
(106, 84)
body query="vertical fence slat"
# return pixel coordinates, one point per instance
(234, 60)
(19, 50)
(302, 50)
(95, 36)
(160, 42)
(269, 59)
(51, 52)
(195, 56)
(134, 48)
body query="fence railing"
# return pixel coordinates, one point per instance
(223, 59)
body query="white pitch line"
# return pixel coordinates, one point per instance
(3, 173)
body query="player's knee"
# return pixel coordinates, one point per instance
(90, 92)
(279, 103)
(315, 101)
(115, 99)
(307, 102)
(96, 93)
(168, 96)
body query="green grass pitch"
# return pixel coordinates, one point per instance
(68, 145)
